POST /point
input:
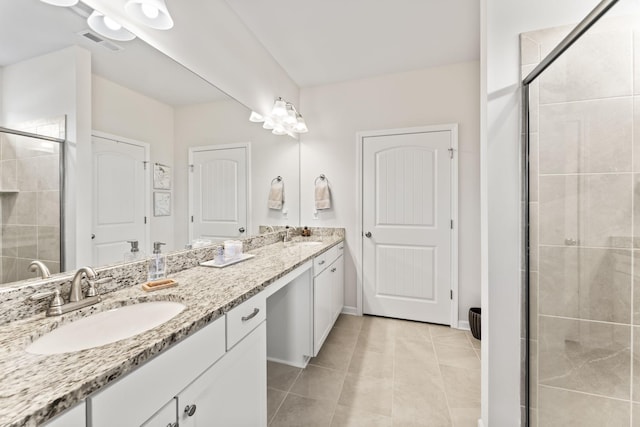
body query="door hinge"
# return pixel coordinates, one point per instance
(191, 218)
(191, 168)
(145, 219)
(452, 224)
(451, 294)
(450, 152)
(144, 162)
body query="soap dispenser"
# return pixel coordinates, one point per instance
(134, 254)
(157, 263)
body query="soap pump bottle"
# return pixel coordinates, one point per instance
(134, 254)
(157, 263)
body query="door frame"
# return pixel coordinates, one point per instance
(247, 147)
(360, 136)
(147, 178)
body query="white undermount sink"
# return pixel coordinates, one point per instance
(303, 243)
(106, 327)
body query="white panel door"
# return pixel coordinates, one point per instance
(119, 199)
(218, 193)
(407, 240)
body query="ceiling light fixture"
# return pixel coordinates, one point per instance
(283, 120)
(152, 13)
(109, 27)
(61, 3)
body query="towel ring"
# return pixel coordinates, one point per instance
(321, 178)
(277, 178)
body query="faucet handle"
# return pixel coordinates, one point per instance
(91, 291)
(56, 302)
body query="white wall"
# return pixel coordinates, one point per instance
(210, 39)
(336, 112)
(123, 112)
(227, 122)
(503, 21)
(49, 86)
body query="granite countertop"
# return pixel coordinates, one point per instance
(35, 388)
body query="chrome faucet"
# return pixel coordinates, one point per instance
(75, 294)
(38, 266)
(270, 227)
(288, 228)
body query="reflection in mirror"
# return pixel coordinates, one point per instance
(153, 152)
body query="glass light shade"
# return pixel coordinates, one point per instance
(256, 118)
(290, 118)
(279, 108)
(108, 27)
(279, 130)
(300, 126)
(62, 3)
(152, 13)
(268, 123)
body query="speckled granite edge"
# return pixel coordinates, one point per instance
(36, 388)
(14, 303)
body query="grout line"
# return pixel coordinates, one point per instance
(551, 316)
(587, 174)
(444, 387)
(602, 396)
(633, 136)
(610, 248)
(578, 101)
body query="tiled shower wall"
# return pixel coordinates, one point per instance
(584, 216)
(30, 200)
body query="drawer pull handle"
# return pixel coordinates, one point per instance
(190, 410)
(341, 247)
(252, 315)
(321, 262)
(333, 270)
(172, 425)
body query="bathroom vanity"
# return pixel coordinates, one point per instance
(207, 363)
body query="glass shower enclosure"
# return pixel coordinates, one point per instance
(581, 98)
(31, 198)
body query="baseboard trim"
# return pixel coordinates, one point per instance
(464, 325)
(352, 311)
(302, 364)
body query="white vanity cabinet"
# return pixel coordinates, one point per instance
(73, 417)
(328, 293)
(233, 392)
(165, 417)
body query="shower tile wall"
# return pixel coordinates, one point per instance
(30, 202)
(584, 218)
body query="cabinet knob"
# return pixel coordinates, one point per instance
(190, 410)
(333, 270)
(172, 425)
(241, 229)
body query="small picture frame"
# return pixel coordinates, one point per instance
(161, 203)
(161, 177)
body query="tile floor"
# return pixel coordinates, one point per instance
(379, 372)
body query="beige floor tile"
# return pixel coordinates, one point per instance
(474, 342)
(281, 377)
(422, 404)
(413, 330)
(352, 417)
(319, 383)
(299, 411)
(564, 408)
(274, 399)
(371, 364)
(410, 349)
(343, 336)
(377, 339)
(377, 324)
(367, 393)
(465, 417)
(462, 386)
(460, 357)
(349, 322)
(448, 336)
(333, 356)
(414, 371)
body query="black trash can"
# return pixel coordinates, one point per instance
(474, 321)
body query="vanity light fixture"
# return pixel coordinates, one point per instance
(152, 13)
(61, 3)
(108, 27)
(283, 120)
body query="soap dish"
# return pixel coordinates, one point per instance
(212, 263)
(156, 285)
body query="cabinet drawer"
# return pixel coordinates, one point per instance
(134, 398)
(245, 318)
(322, 261)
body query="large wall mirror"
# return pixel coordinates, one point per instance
(152, 152)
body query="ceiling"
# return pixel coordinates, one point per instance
(29, 28)
(329, 41)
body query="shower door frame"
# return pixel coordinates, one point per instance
(594, 16)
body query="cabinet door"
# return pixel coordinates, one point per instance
(322, 309)
(233, 392)
(74, 417)
(165, 417)
(337, 282)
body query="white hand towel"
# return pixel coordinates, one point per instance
(323, 194)
(276, 195)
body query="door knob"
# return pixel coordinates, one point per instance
(93, 236)
(190, 410)
(241, 229)
(367, 234)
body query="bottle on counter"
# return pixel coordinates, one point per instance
(157, 263)
(134, 254)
